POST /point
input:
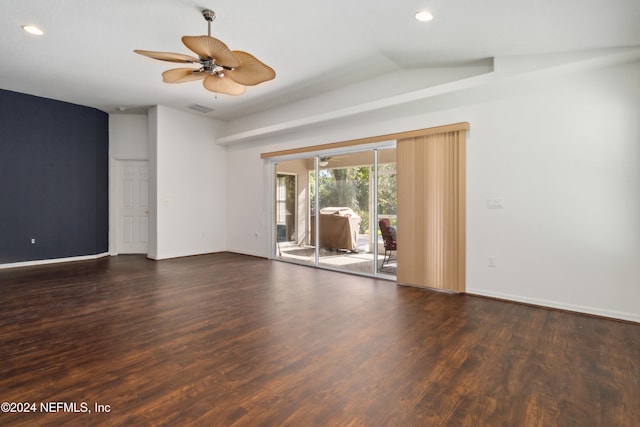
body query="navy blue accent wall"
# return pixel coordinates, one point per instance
(54, 179)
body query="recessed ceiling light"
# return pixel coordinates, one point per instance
(423, 16)
(32, 29)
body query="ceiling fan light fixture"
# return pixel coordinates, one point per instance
(423, 16)
(32, 29)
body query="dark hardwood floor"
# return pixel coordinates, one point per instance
(231, 340)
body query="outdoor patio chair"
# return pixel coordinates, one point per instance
(389, 238)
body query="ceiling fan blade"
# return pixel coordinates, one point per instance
(223, 85)
(209, 47)
(181, 75)
(168, 56)
(252, 71)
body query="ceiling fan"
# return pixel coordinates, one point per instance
(223, 70)
(324, 161)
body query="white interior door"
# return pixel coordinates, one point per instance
(133, 221)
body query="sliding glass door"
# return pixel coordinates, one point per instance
(416, 229)
(327, 210)
(344, 212)
(386, 210)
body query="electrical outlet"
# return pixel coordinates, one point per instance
(492, 261)
(33, 241)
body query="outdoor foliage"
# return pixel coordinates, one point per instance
(349, 187)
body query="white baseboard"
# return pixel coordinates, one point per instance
(248, 253)
(52, 261)
(559, 305)
(182, 254)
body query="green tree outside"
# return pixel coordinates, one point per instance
(349, 187)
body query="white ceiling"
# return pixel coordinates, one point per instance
(86, 55)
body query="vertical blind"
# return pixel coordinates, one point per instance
(431, 210)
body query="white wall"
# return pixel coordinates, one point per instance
(247, 206)
(128, 136)
(152, 147)
(190, 176)
(565, 156)
(563, 150)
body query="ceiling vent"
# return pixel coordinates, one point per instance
(200, 108)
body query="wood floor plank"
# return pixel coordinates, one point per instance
(232, 340)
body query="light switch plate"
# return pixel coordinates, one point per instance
(495, 203)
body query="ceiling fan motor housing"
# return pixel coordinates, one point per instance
(209, 15)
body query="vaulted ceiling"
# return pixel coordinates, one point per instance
(86, 54)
